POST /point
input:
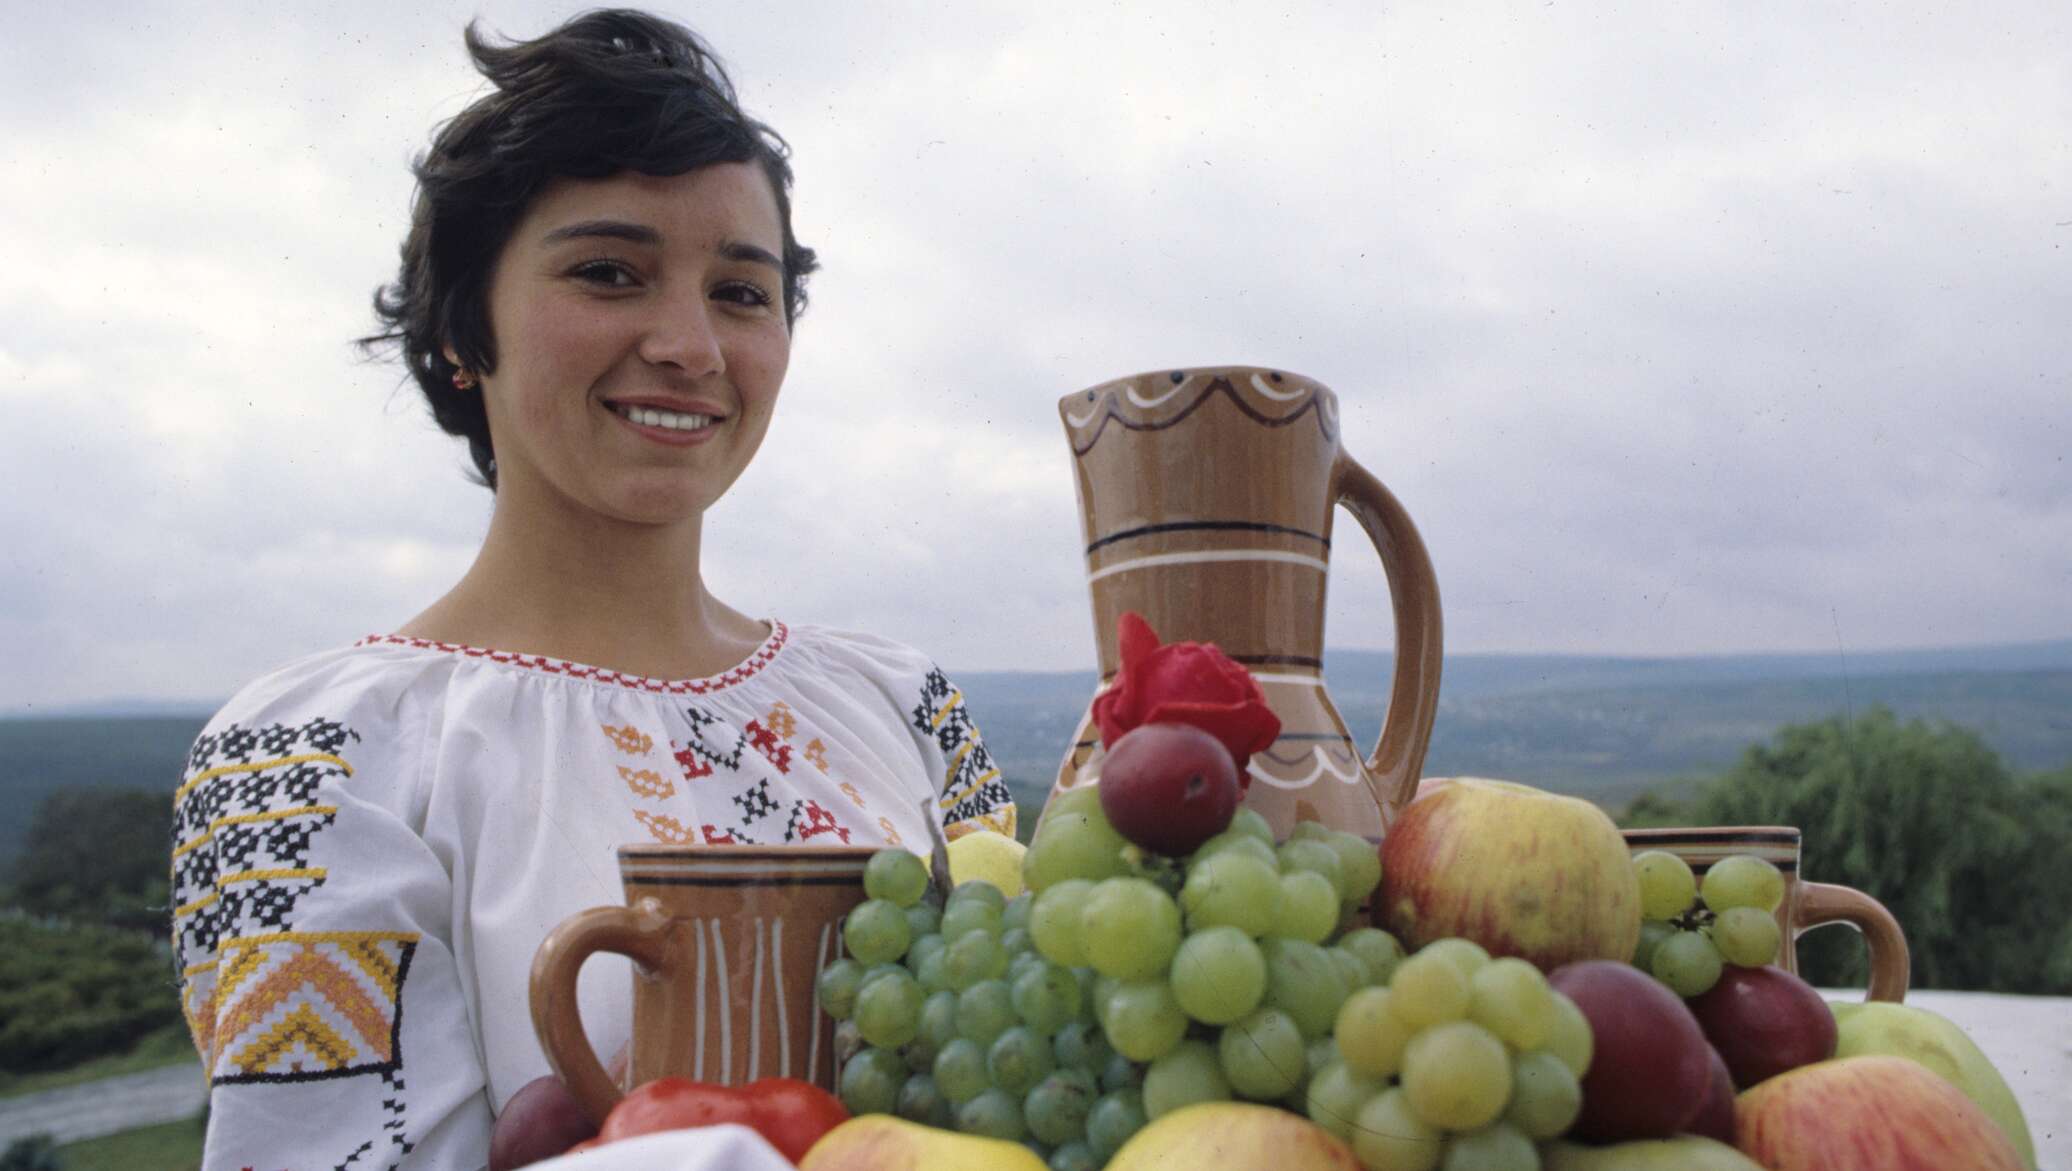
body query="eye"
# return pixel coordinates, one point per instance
(742, 293)
(605, 272)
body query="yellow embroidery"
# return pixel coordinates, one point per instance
(196, 905)
(646, 783)
(301, 1004)
(1000, 821)
(849, 791)
(956, 697)
(781, 721)
(891, 835)
(667, 829)
(269, 875)
(248, 818)
(629, 739)
(258, 766)
(817, 753)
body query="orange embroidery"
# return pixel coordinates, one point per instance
(849, 791)
(817, 753)
(645, 782)
(781, 721)
(666, 829)
(891, 835)
(629, 739)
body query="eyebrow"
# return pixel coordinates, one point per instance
(634, 233)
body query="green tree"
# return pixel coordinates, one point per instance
(99, 855)
(1927, 819)
(37, 1152)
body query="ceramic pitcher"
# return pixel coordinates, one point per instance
(1206, 497)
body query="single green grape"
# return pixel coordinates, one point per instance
(876, 932)
(896, 876)
(977, 890)
(1389, 1136)
(1497, 1147)
(1016, 912)
(1046, 997)
(1118, 1115)
(919, 951)
(1743, 880)
(1073, 845)
(1351, 968)
(1251, 823)
(1309, 830)
(837, 985)
(1652, 933)
(960, 1071)
(1232, 889)
(1054, 922)
(1747, 937)
(1359, 863)
(1307, 909)
(1076, 1155)
(1334, 1097)
(962, 918)
(1187, 1074)
(1144, 1020)
(1466, 954)
(939, 1019)
(924, 919)
(1018, 1059)
(1129, 928)
(1081, 1045)
(888, 1009)
(1318, 857)
(1317, 1054)
(993, 1113)
(1056, 1108)
(1667, 887)
(972, 957)
(985, 1010)
(1429, 989)
(1263, 1055)
(1121, 1073)
(1377, 948)
(1688, 963)
(1234, 842)
(871, 1080)
(921, 1101)
(1546, 1095)
(1219, 975)
(1016, 941)
(1510, 998)
(1457, 1076)
(1302, 981)
(1571, 1039)
(1370, 1037)
(928, 969)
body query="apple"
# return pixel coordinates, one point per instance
(1715, 1117)
(1764, 1021)
(1650, 1068)
(1168, 787)
(538, 1122)
(1933, 1041)
(1868, 1114)
(1685, 1152)
(1522, 872)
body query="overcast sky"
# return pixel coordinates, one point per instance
(1679, 328)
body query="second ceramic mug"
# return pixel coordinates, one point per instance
(1806, 904)
(727, 943)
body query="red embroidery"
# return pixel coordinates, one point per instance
(756, 662)
(766, 742)
(715, 836)
(694, 766)
(820, 821)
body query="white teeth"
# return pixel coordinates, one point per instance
(673, 420)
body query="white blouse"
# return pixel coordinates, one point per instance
(370, 843)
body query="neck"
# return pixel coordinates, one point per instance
(554, 581)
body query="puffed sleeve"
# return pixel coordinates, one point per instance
(313, 937)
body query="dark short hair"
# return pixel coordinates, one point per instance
(609, 91)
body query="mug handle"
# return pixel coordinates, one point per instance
(1406, 729)
(640, 933)
(1821, 903)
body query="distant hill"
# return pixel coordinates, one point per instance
(1600, 727)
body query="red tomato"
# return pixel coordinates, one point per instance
(790, 1114)
(793, 1114)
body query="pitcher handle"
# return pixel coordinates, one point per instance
(641, 933)
(1406, 729)
(1821, 903)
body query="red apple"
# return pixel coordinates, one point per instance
(1524, 873)
(1715, 1118)
(1650, 1065)
(1764, 1021)
(1168, 787)
(1868, 1114)
(538, 1122)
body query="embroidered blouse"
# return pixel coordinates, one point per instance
(370, 843)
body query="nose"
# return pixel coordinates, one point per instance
(682, 334)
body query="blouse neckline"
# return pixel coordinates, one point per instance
(746, 669)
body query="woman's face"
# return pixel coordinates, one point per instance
(641, 341)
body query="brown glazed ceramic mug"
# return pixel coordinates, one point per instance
(1806, 904)
(727, 944)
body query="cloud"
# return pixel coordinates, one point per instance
(1675, 330)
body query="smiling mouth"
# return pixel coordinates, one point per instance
(657, 417)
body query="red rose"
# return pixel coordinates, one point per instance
(1184, 683)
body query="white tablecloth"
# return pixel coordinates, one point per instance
(710, 1148)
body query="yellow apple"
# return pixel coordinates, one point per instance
(1867, 1114)
(1904, 1030)
(1233, 1136)
(880, 1142)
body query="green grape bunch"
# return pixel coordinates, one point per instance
(1691, 930)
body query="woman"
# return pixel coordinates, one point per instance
(597, 292)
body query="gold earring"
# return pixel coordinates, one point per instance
(462, 380)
